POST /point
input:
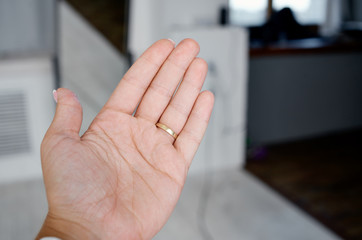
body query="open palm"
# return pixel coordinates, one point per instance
(123, 177)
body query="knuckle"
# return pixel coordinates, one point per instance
(180, 108)
(161, 90)
(191, 136)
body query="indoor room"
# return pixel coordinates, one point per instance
(280, 159)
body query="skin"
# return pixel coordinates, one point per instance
(124, 176)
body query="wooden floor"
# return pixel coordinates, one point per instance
(323, 176)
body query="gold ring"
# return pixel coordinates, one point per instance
(167, 129)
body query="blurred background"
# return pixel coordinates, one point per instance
(282, 156)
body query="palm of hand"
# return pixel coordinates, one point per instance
(123, 177)
(127, 164)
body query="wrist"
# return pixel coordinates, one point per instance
(64, 229)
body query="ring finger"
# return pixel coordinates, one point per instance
(177, 112)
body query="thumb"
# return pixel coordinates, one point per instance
(68, 115)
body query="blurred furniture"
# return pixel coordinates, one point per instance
(150, 21)
(302, 93)
(226, 52)
(28, 64)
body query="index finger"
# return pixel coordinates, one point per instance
(135, 82)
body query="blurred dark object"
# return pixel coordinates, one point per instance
(353, 30)
(110, 17)
(322, 176)
(224, 16)
(282, 25)
(310, 46)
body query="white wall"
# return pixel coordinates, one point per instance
(27, 26)
(153, 20)
(90, 65)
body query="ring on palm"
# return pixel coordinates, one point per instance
(167, 129)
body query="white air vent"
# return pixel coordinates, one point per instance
(14, 133)
(26, 110)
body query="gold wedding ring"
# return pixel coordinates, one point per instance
(167, 129)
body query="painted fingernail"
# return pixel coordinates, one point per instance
(55, 95)
(173, 42)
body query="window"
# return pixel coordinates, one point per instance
(305, 11)
(255, 12)
(248, 12)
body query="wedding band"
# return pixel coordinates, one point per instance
(166, 129)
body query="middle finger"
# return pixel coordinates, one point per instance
(163, 86)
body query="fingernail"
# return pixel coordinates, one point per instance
(173, 42)
(55, 95)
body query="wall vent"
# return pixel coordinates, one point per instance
(14, 129)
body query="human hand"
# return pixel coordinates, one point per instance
(124, 176)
